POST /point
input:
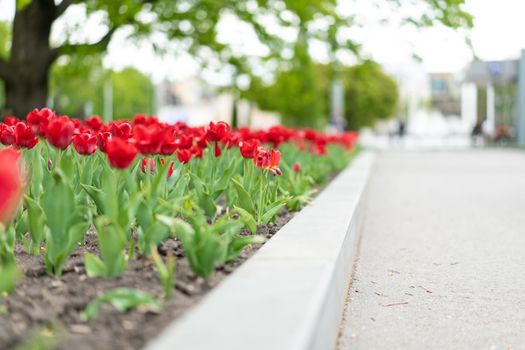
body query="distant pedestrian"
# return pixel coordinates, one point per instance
(477, 134)
(401, 128)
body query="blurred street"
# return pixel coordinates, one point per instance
(441, 255)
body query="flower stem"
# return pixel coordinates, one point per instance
(261, 198)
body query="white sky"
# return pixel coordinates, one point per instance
(498, 34)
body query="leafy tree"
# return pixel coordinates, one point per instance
(296, 93)
(191, 23)
(302, 95)
(370, 95)
(133, 93)
(78, 85)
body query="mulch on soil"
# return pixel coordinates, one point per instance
(45, 308)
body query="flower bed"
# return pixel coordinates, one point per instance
(140, 215)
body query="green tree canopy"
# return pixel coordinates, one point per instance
(78, 87)
(194, 26)
(370, 95)
(301, 95)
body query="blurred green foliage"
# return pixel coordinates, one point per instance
(78, 86)
(302, 95)
(299, 93)
(370, 95)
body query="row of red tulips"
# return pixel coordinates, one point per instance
(140, 182)
(123, 140)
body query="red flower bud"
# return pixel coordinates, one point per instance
(217, 131)
(122, 129)
(249, 147)
(7, 134)
(59, 132)
(184, 155)
(38, 120)
(85, 143)
(94, 122)
(296, 167)
(218, 151)
(11, 184)
(102, 140)
(148, 164)
(148, 139)
(24, 137)
(170, 168)
(197, 151)
(121, 153)
(11, 121)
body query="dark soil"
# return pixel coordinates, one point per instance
(45, 308)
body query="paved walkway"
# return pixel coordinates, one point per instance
(442, 261)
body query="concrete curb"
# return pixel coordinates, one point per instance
(291, 294)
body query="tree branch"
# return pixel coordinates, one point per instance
(5, 71)
(62, 7)
(99, 46)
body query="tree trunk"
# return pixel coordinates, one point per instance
(31, 56)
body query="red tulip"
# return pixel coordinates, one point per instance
(102, 140)
(148, 164)
(122, 129)
(218, 150)
(7, 134)
(121, 153)
(170, 169)
(196, 151)
(85, 143)
(169, 144)
(11, 121)
(148, 139)
(11, 184)
(217, 131)
(249, 147)
(59, 132)
(184, 141)
(38, 120)
(268, 160)
(24, 137)
(296, 167)
(94, 123)
(184, 155)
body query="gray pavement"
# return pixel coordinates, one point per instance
(442, 255)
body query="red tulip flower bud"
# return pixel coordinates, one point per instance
(184, 155)
(94, 122)
(11, 121)
(170, 168)
(24, 137)
(38, 120)
(217, 131)
(249, 147)
(121, 153)
(7, 134)
(196, 151)
(11, 184)
(296, 167)
(102, 140)
(122, 129)
(148, 164)
(85, 143)
(59, 132)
